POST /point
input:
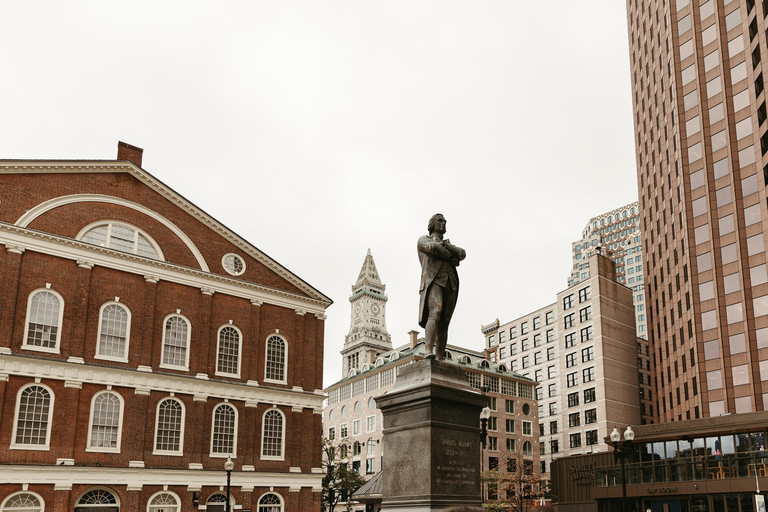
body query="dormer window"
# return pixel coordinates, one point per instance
(121, 237)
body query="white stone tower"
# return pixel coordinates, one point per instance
(368, 336)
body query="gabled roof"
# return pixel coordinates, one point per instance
(371, 490)
(128, 167)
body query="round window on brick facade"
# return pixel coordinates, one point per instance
(233, 264)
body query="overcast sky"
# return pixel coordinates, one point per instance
(319, 129)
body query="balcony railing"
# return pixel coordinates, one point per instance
(716, 467)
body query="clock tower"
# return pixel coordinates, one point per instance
(368, 334)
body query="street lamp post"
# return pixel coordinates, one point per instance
(330, 487)
(485, 414)
(622, 454)
(228, 467)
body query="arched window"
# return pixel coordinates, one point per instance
(23, 502)
(272, 435)
(106, 422)
(228, 358)
(34, 412)
(502, 367)
(169, 430)
(379, 361)
(365, 367)
(163, 501)
(448, 355)
(217, 503)
(114, 329)
(176, 343)
(224, 431)
(394, 356)
(121, 237)
(465, 360)
(527, 448)
(45, 310)
(277, 354)
(270, 502)
(98, 500)
(485, 364)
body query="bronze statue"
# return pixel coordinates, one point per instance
(439, 286)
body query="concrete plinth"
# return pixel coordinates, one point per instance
(431, 439)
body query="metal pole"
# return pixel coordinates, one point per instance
(229, 473)
(623, 481)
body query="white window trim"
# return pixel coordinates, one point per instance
(36, 447)
(162, 346)
(127, 334)
(374, 424)
(239, 352)
(109, 223)
(13, 494)
(285, 364)
(88, 447)
(179, 453)
(56, 350)
(234, 439)
(279, 496)
(176, 496)
(97, 488)
(242, 260)
(282, 443)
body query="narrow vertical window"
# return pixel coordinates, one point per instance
(176, 343)
(276, 357)
(114, 327)
(272, 435)
(169, 433)
(33, 418)
(44, 314)
(228, 354)
(106, 416)
(224, 431)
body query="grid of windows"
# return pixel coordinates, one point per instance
(275, 369)
(34, 411)
(113, 332)
(228, 361)
(175, 342)
(44, 319)
(272, 435)
(105, 420)
(224, 424)
(170, 416)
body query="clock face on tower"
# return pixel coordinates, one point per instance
(357, 310)
(375, 309)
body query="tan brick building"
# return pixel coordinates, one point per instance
(141, 344)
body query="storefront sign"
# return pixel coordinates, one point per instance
(583, 475)
(660, 490)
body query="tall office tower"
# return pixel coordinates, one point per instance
(699, 109)
(617, 233)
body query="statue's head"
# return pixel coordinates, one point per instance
(436, 223)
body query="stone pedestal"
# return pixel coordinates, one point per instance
(431, 442)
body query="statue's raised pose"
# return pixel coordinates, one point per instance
(439, 286)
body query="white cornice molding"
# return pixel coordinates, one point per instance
(152, 270)
(26, 167)
(73, 374)
(66, 476)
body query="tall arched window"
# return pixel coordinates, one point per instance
(228, 353)
(176, 343)
(224, 431)
(34, 410)
(106, 422)
(121, 237)
(98, 500)
(270, 502)
(169, 431)
(23, 502)
(163, 501)
(114, 329)
(272, 435)
(45, 310)
(277, 354)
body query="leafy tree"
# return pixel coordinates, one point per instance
(516, 488)
(337, 472)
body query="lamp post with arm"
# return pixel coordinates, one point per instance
(485, 415)
(622, 453)
(228, 467)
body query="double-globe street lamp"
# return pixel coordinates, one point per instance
(621, 452)
(228, 467)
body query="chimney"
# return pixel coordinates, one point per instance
(414, 338)
(128, 152)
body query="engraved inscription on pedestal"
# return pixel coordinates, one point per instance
(456, 473)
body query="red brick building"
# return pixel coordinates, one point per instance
(142, 343)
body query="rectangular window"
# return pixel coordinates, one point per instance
(550, 353)
(590, 416)
(585, 314)
(569, 320)
(591, 436)
(549, 317)
(553, 427)
(550, 335)
(537, 358)
(570, 340)
(552, 390)
(536, 322)
(370, 466)
(572, 379)
(509, 406)
(573, 399)
(574, 420)
(568, 301)
(524, 328)
(344, 433)
(510, 426)
(575, 440)
(554, 446)
(525, 362)
(527, 428)
(524, 345)
(584, 294)
(588, 374)
(570, 359)
(511, 446)
(552, 409)
(536, 340)
(513, 332)
(586, 333)
(587, 354)
(356, 427)
(370, 423)
(551, 372)
(493, 443)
